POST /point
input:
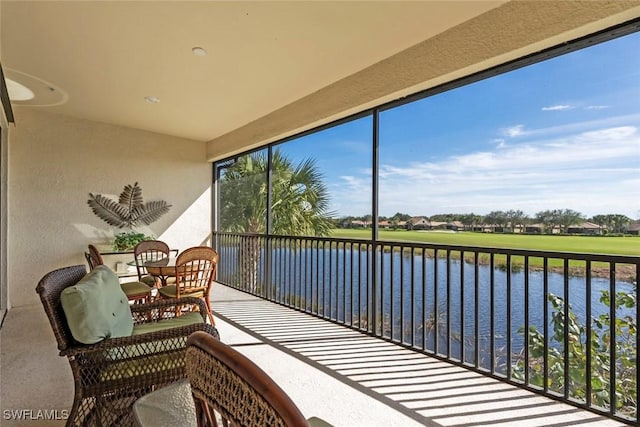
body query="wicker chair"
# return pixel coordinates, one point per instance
(94, 258)
(138, 292)
(195, 271)
(226, 382)
(149, 250)
(111, 374)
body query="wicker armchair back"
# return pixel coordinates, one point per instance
(227, 382)
(195, 272)
(149, 250)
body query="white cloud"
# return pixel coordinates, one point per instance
(596, 107)
(513, 131)
(499, 142)
(557, 108)
(351, 195)
(576, 127)
(594, 171)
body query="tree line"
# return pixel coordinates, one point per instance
(560, 219)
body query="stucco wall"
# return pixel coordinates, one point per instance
(56, 161)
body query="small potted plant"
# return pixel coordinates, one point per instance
(128, 212)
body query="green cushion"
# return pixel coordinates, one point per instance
(150, 363)
(96, 307)
(318, 422)
(135, 288)
(174, 322)
(170, 291)
(149, 280)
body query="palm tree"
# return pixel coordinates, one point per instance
(299, 203)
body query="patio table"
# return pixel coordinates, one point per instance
(162, 269)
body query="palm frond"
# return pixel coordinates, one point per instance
(299, 197)
(108, 210)
(130, 210)
(131, 196)
(151, 212)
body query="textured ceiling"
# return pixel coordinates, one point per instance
(272, 68)
(107, 56)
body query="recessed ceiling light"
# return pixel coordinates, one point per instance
(152, 99)
(198, 51)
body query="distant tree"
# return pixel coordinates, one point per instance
(468, 221)
(569, 217)
(498, 218)
(400, 217)
(620, 223)
(549, 219)
(345, 221)
(335, 222)
(561, 218)
(614, 223)
(516, 219)
(442, 217)
(476, 220)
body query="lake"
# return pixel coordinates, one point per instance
(421, 298)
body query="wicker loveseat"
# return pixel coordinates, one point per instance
(111, 374)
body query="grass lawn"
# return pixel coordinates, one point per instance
(580, 244)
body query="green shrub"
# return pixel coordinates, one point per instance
(624, 331)
(126, 241)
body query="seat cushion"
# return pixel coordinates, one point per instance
(149, 280)
(171, 292)
(173, 322)
(135, 288)
(96, 307)
(148, 363)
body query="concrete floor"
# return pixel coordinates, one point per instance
(339, 375)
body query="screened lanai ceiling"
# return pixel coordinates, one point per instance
(242, 73)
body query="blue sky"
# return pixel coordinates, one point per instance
(561, 134)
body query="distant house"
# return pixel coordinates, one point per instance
(483, 228)
(634, 228)
(455, 226)
(360, 224)
(534, 228)
(518, 228)
(418, 223)
(540, 228)
(437, 225)
(586, 227)
(384, 224)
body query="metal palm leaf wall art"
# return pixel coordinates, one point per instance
(130, 210)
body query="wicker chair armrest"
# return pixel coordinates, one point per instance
(117, 365)
(158, 310)
(172, 337)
